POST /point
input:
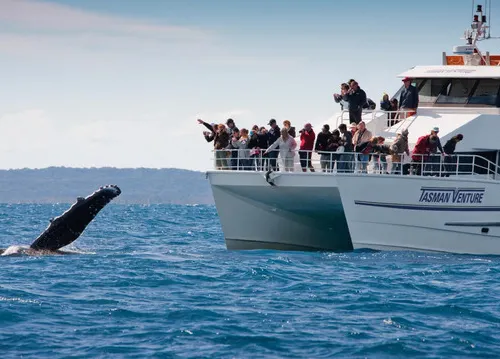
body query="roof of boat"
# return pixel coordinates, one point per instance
(447, 71)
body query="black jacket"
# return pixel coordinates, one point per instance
(273, 135)
(322, 141)
(347, 141)
(356, 100)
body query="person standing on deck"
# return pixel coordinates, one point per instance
(286, 145)
(408, 100)
(273, 135)
(346, 160)
(356, 98)
(321, 147)
(307, 137)
(450, 160)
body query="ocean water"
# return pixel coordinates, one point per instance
(158, 282)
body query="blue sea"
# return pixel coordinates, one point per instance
(157, 282)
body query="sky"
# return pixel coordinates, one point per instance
(120, 83)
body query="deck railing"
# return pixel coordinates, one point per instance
(379, 119)
(350, 162)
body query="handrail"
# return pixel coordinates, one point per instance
(440, 165)
(379, 119)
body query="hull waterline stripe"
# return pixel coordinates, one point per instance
(428, 208)
(473, 224)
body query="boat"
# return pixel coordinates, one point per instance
(454, 206)
(455, 214)
(263, 209)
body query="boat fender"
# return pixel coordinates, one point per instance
(269, 179)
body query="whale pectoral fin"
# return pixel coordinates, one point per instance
(70, 225)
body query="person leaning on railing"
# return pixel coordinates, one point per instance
(399, 146)
(451, 160)
(220, 137)
(287, 146)
(421, 153)
(379, 153)
(435, 159)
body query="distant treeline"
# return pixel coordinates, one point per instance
(139, 185)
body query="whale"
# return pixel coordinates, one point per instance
(66, 228)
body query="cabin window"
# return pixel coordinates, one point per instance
(431, 89)
(486, 93)
(456, 91)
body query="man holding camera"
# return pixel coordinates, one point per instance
(307, 137)
(356, 98)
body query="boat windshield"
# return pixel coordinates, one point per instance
(442, 91)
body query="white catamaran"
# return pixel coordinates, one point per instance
(453, 206)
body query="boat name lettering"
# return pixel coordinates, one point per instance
(452, 195)
(449, 71)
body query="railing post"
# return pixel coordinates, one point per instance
(440, 164)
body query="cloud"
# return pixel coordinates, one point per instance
(55, 31)
(35, 138)
(38, 15)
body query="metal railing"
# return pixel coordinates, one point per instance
(379, 119)
(351, 162)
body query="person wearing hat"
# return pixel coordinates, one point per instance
(353, 127)
(408, 100)
(322, 146)
(399, 146)
(307, 137)
(273, 134)
(435, 159)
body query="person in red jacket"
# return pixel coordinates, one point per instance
(307, 137)
(421, 152)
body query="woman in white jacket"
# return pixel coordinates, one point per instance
(287, 149)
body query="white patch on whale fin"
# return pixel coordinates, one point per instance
(15, 250)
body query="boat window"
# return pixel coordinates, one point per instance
(431, 89)
(456, 91)
(486, 93)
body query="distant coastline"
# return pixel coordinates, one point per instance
(139, 185)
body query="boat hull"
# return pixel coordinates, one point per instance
(422, 213)
(302, 211)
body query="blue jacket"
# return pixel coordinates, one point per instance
(409, 98)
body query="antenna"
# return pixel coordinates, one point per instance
(479, 29)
